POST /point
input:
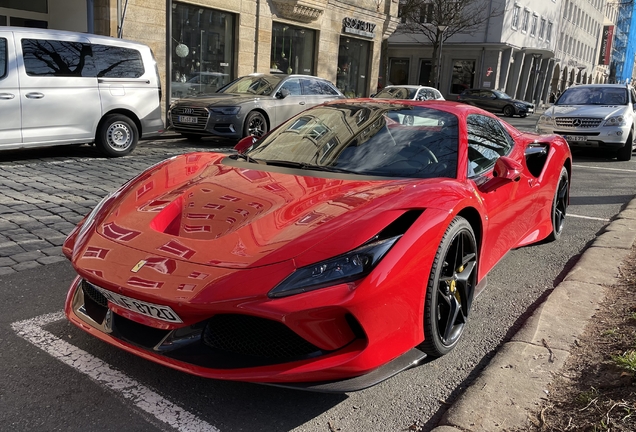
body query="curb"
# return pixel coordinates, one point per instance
(513, 384)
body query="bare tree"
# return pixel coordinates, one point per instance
(438, 20)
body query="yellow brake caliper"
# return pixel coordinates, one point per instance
(453, 285)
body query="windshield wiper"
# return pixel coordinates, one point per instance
(306, 166)
(244, 156)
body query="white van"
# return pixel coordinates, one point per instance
(60, 87)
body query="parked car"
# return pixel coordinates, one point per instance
(341, 248)
(496, 101)
(251, 105)
(60, 88)
(200, 83)
(595, 115)
(409, 92)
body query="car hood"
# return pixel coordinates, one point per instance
(585, 110)
(207, 209)
(517, 101)
(220, 99)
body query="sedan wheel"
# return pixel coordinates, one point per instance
(450, 289)
(508, 111)
(560, 205)
(255, 125)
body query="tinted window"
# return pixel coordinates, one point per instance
(594, 96)
(3, 57)
(57, 58)
(293, 85)
(379, 140)
(328, 89)
(487, 140)
(117, 62)
(396, 93)
(312, 87)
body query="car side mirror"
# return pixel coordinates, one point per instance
(282, 93)
(506, 171)
(245, 144)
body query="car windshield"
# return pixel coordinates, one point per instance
(593, 96)
(396, 93)
(368, 139)
(258, 85)
(501, 95)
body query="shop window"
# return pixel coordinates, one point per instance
(463, 75)
(292, 49)
(353, 67)
(426, 67)
(399, 71)
(202, 50)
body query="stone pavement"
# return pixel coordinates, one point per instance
(42, 199)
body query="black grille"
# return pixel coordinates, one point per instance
(257, 337)
(201, 114)
(93, 293)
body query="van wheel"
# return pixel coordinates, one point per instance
(117, 135)
(625, 153)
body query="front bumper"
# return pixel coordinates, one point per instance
(201, 121)
(599, 137)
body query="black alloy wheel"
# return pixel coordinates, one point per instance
(560, 205)
(450, 289)
(509, 111)
(255, 125)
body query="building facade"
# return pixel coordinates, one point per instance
(210, 42)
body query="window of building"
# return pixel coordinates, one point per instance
(292, 49)
(399, 71)
(401, 13)
(542, 28)
(202, 49)
(426, 67)
(526, 20)
(353, 66)
(533, 27)
(548, 34)
(515, 16)
(463, 75)
(426, 13)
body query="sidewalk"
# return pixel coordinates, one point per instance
(512, 386)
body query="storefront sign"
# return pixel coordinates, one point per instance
(606, 45)
(358, 27)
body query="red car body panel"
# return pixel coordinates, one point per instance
(216, 235)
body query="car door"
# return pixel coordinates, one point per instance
(488, 100)
(509, 206)
(58, 89)
(11, 124)
(291, 104)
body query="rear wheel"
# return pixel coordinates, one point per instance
(560, 205)
(450, 289)
(509, 111)
(255, 125)
(117, 135)
(625, 152)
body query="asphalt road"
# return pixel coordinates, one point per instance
(55, 377)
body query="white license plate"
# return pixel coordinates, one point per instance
(163, 313)
(575, 138)
(530, 110)
(188, 119)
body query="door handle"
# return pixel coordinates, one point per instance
(301, 103)
(7, 95)
(34, 95)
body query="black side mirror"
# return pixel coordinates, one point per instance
(283, 93)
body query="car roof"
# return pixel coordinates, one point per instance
(599, 85)
(94, 38)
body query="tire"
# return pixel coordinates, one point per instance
(625, 152)
(255, 125)
(450, 289)
(560, 205)
(117, 135)
(508, 111)
(191, 137)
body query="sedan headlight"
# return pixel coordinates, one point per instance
(546, 120)
(344, 268)
(225, 110)
(520, 105)
(618, 120)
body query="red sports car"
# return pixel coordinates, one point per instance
(336, 251)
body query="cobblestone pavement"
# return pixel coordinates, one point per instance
(44, 193)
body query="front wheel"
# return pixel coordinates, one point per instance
(255, 125)
(508, 111)
(450, 289)
(625, 152)
(117, 135)
(560, 205)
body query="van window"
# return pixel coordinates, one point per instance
(3, 57)
(57, 58)
(117, 62)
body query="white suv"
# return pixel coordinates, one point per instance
(594, 115)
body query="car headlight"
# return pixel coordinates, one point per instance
(618, 120)
(344, 268)
(226, 110)
(520, 105)
(546, 120)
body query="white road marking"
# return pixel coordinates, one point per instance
(604, 168)
(98, 370)
(587, 217)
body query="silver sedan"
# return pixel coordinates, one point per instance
(251, 105)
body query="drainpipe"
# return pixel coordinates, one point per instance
(168, 84)
(118, 15)
(120, 33)
(90, 17)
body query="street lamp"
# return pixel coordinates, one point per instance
(442, 29)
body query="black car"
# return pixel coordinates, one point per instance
(496, 101)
